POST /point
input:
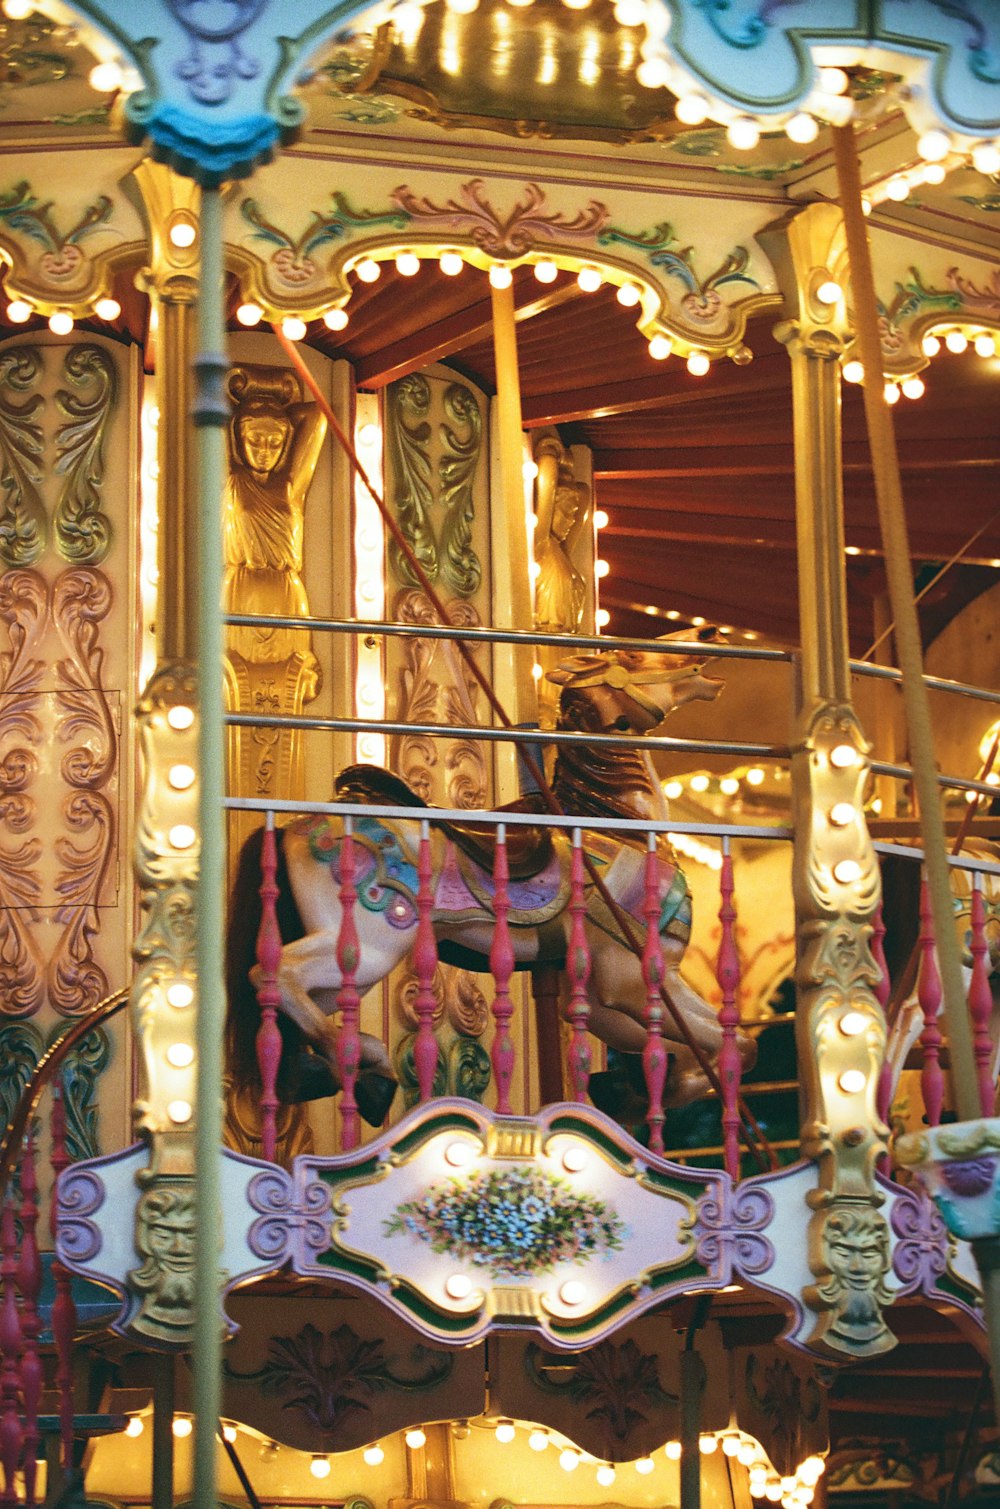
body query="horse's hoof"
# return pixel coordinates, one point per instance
(374, 1094)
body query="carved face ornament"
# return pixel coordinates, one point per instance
(262, 438)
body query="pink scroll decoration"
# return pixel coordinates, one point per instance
(501, 968)
(929, 996)
(29, 1279)
(578, 972)
(654, 1054)
(268, 1041)
(11, 1346)
(348, 1050)
(63, 1319)
(425, 958)
(727, 972)
(980, 997)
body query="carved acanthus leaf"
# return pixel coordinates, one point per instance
(23, 525)
(21, 1046)
(81, 1070)
(82, 529)
(409, 434)
(460, 565)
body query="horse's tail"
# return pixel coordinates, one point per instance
(245, 910)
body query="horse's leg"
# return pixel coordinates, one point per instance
(310, 964)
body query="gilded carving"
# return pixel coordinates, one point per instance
(165, 1241)
(21, 1046)
(242, 1130)
(464, 1003)
(856, 1259)
(615, 1383)
(81, 600)
(460, 565)
(81, 1070)
(437, 687)
(562, 508)
(23, 525)
(528, 223)
(24, 611)
(82, 529)
(409, 440)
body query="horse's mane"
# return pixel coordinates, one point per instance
(598, 782)
(243, 1014)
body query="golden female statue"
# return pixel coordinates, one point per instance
(563, 509)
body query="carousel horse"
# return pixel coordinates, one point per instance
(628, 691)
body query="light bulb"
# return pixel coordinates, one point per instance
(373, 1455)
(505, 1432)
(660, 347)
(746, 1453)
(572, 1292)
(546, 271)
(602, 568)
(180, 1055)
(135, 1426)
(743, 133)
(368, 270)
(459, 1154)
(181, 836)
(898, 188)
(320, 1467)
(183, 233)
(847, 871)
(729, 787)
(462, 7)
(673, 1450)
(182, 1426)
(700, 783)
(538, 1440)
(986, 157)
(293, 328)
(407, 264)
(985, 344)
(935, 172)
(18, 311)
(842, 813)
(415, 1439)
(500, 276)
(601, 519)
(629, 295)
(179, 1112)
(852, 1081)
(336, 319)
(249, 314)
(18, 10)
(934, 145)
(61, 323)
(569, 1459)
(180, 994)
(930, 345)
(644, 1466)
(181, 777)
(107, 309)
(575, 1159)
(891, 393)
(605, 1474)
(602, 618)
(833, 80)
(692, 109)
(957, 341)
(673, 791)
(459, 1286)
(829, 292)
(451, 263)
(653, 73)
(912, 387)
(589, 279)
(180, 717)
(105, 77)
(707, 1444)
(698, 363)
(853, 1023)
(853, 371)
(731, 1445)
(802, 128)
(630, 12)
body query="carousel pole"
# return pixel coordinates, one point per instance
(211, 414)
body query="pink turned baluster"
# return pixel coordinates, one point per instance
(929, 996)
(29, 1279)
(268, 1040)
(11, 1346)
(425, 958)
(980, 997)
(348, 1050)
(578, 971)
(727, 973)
(502, 967)
(654, 1054)
(63, 1308)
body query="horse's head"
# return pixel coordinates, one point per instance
(631, 690)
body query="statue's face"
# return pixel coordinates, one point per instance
(263, 440)
(566, 507)
(170, 1238)
(856, 1257)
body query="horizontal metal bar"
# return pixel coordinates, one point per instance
(957, 861)
(950, 782)
(933, 683)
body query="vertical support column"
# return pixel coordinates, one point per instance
(840, 1026)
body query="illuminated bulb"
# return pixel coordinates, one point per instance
(249, 315)
(590, 279)
(743, 133)
(729, 787)
(699, 783)
(891, 393)
(758, 1472)
(462, 7)
(180, 1055)
(772, 1492)
(180, 717)
(842, 813)
(538, 1440)
(179, 1111)
(61, 323)
(569, 1459)
(181, 836)
(934, 145)
(336, 319)
(816, 1466)
(529, 471)
(673, 791)
(829, 292)
(842, 756)
(698, 364)
(500, 276)
(629, 295)
(19, 310)
(180, 994)
(602, 618)
(660, 347)
(572, 1292)
(373, 1455)
(451, 263)
(459, 1286)
(606, 1474)
(833, 80)
(105, 77)
(134, 1427)
(574, 1159)
(852, 1081)
(415, 1439)
(601, 568)
(853, 1023)
(183, 233)
(368, 270)
(673, 1450)
(866, 206)
(935, 172)
(731, 1445)
(788, 1484)
(853, 371)
(692, 109)
(536, 672)
(407, 264)
(644, 1466)
(802, 128)
(18, 10)
(898, 188)
(930, 345)
(956, 341)
(293, 328)
(653, 73)
(912, 387)
(630, 12)
(181, 777)
(746, 1453)
(986, 157)
(755, 776)
(601, 519)
(847, 871)
(459, 1154)
(757, 1489)
(107, 309)
(182, 1426)
(546, 271)
(369, 434)
(320, 1467)
(706, 1445)
(534, 571)
(985, 344)
(505, 1432)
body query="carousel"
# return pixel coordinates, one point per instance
(499, 729)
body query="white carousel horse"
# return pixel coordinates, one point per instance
(631, 691)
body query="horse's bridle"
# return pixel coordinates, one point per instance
(620, 679)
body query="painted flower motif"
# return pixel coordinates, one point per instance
(517, 1223)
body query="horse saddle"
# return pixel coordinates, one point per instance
(529, 847)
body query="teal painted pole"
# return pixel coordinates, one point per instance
(211, 413)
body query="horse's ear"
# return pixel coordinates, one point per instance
(577, 668)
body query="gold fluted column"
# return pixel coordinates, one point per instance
(165, 984)
(839, 1024)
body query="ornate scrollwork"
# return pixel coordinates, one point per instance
(616, 1382)
(21, 1046)
(526, 225)
(465, 1005)
(730, 1226)
(437, 687)
(920, 1255)
(81, 1195)
(288, 1221)
(81, 1071)
(24, 610)
(469, 1069)
(406, 991)
(460, 565)
(82, 529)
(23, 525)
(409, 438)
